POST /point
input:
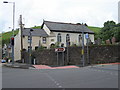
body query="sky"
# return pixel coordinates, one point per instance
(92, 12)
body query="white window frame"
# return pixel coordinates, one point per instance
(59, 38)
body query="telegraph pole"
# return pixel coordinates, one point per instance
(21, 28)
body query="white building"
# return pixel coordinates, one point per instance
(50, 34)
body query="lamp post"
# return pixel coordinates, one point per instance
(13, 14)
(13, 28)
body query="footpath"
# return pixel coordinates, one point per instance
(18, 65)
(28, 66)
(108, 66)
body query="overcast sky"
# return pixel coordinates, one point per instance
(92, 12)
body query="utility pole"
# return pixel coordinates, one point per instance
(83, 58)
(67, 54)
(67, 44)
(21, 28)
(30, 48)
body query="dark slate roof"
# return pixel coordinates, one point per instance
(66, 27)
(35, 32)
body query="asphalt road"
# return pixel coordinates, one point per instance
(86, 77)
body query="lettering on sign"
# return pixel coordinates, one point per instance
(59, 49)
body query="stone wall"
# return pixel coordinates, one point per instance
(97, 54)
(105, 54)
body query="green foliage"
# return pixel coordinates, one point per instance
(41, 48)
(56, 45)
(109, 24)
(96, 30)
(36, 27)
(116, 33)
(110, 29)
(6, 36)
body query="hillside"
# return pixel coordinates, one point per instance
(6, 36)
(94, 29)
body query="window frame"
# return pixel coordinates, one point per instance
(59, 37)
(44, 40)
(68, 39)
(79, 38)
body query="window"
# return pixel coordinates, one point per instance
(79, 38)
(68, 40)
(44, 40)
(28, 39)
(59, 38)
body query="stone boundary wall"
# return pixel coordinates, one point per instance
(97, 54)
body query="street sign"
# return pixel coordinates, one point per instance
(59, 49)
(86, 35)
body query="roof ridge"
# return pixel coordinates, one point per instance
(62, 22)
(33, 28)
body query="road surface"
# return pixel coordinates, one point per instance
(84, 77)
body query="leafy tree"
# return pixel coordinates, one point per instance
(109, 23)
(110, 29)
(116, 32)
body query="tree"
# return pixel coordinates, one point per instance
(110, 29)
(109, 23)
(116, 32)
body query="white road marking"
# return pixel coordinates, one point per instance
(56, 83)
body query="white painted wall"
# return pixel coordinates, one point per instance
(73, 38)
(46, 29)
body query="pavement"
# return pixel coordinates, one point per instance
(18, 65)
(60, 67)
(28, 66)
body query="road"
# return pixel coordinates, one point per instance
(84, 77)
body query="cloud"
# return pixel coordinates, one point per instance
(92, 12)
